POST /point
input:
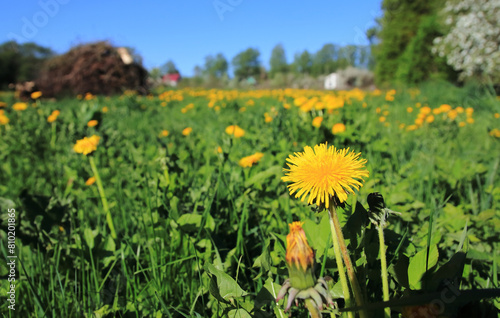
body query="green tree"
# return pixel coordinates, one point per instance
(169, 68)
(418, 63)
(216, 67)
(325, 60)
(303, 62)
(21, 62)
(246, 63)
(278, 61)
(399, 24)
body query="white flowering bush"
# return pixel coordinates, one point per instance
(472, 45)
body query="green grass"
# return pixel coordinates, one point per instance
(198, 235)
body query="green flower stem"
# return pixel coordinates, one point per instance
(338, 259)
(104, 201)
(383, 261)
(337, 232)
(53, 136)
(313, 310)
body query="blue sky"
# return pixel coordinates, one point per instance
(188, 30)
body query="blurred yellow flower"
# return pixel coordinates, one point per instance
(92, 123)
(105, 109)
(267, 118)
(219, 149)
(86, 145)
(249, 161)
(317, 121)
(469, 111)
(470, 120)
(164, 133)
(381, 119)
(89, 96)
(452, 114)
(4, 120)
(52, 117)
(425, 110)
(90, 181)
(298, 252)
(460, 109)
(409, 109)
(186, 131)
(36, 95)
(3, 104)
(338, 128)
(378, 110)
(497, 115)
(324, 172)
(495, 133)
(235, 130)
(19, 106)
(461, 124)
(429, 119)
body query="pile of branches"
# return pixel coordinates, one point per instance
(97, 68)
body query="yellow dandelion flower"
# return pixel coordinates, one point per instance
(219, 149)
(381, 119)
(495, 133)
(4, 120)
(105, 109)
(497, 115)
(267, 118)
(409, 109)
(164, 133)
(186, 131)
(286, 106)
(86, 145)
(469, 111)
(411, 127)
(89, 96)
(36, 95)
(378, 110)
(452, 114)
(235, 130)
(298, 252)
(90, 181)
(364, 105)
(470, 120)
(242, 109)
(401, 126)
(323, 173)
(249, 161)
(317, 121)
(425, 110)
(92, 123)
(429, 119)
(19, 106)
(445, 108)
(338, 128)
(461, 124)
(460, 109)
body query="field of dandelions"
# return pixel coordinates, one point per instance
(183, 203)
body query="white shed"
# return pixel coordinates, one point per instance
(331, 81)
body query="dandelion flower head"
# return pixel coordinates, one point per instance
(86, 145)
(324, 172)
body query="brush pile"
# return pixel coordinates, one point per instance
(97, 68)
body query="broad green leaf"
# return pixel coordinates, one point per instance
(418, 263)
(227, 287)
(238, 313)
(89, 236)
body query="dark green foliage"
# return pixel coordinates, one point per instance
(418, 63)
(247, 63)
(278, 61)
(402, 21)
(21, 62)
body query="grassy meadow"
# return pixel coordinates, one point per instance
(181, 211)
